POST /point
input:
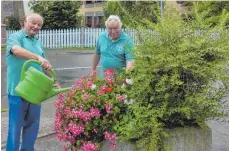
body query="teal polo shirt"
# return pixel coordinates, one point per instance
(14, 64)
(114, 54)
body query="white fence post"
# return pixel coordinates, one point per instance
(77, 37)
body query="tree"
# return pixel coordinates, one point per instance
(12, 23)
(133, 13)
(57, 14)
(214, 12)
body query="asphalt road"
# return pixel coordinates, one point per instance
(69, 66)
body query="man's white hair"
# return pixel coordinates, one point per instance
(34, 15)
(115, 18)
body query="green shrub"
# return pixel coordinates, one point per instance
(12, 23)
(179, 78)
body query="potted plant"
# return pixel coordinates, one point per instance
(88, 114)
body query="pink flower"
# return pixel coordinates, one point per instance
(86, 96)
(109, 72)
(110, 138)
(93, 74)
(61, 97)
(102, 90)
(74, 88)
(62, 136)
(57, 122)
(120, 97)
(113, 146)
(89, 84)
(108, 107)
(90, 147)
(85, 116)
(109, 79)
(95, 112)
(67, 111)
(59, 104)
(75, 129)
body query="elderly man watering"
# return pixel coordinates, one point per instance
(21, 46)
(114, 47)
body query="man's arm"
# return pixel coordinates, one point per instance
(95, 62)
(48, 73)
(25, 54)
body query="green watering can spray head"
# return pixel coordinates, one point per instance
(35, 86)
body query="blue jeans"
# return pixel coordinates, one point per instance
(22, 116)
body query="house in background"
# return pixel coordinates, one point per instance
(9, 8)
(92, 13)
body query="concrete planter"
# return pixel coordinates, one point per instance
(180, 139)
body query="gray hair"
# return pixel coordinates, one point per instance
(115, 18)
(28, 17)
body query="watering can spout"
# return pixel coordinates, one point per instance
(57, 91)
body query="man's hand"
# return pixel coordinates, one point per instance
(129, 66)
(44, 63)
(93, 73)
(57, 85)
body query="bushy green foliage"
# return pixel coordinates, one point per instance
(133, 12)
(58, 14)
(12, 23)
(213, 12)
(179, 78)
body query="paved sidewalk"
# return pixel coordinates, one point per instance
(47, 140)
(46, 123)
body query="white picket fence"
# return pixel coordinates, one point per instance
(77, 37)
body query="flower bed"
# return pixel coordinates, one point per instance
(89, 113)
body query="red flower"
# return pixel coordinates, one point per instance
(108, 89)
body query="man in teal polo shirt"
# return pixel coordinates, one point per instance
(21, 46)
(114, 47)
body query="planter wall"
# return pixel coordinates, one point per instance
(180, 139)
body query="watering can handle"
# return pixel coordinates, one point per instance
(34, 61)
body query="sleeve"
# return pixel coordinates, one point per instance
(97, 47)
(44, 53)
(129, 50)
(13, 40)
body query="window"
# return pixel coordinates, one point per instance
(89, 21)
(89, 2)
(97, 1)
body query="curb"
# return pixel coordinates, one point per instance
(74, 53)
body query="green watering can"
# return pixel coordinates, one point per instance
(35, 87)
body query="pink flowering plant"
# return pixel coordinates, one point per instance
(89, 113)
